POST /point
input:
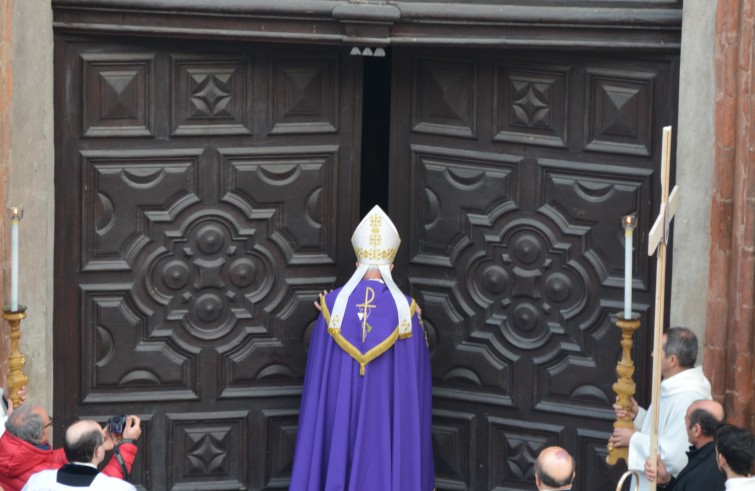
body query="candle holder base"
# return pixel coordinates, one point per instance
(624, 386)
(16, 361)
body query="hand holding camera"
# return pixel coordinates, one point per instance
(121, 428)
(133, 429)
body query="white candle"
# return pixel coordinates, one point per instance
(628, 222)
(15, 219)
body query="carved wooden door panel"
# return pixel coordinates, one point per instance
(199, 212)
(513, 171)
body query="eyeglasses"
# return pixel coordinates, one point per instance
(50, 423)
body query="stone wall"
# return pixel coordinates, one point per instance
(694, 168)
(731, 327)
(31, 185)
(6, 96)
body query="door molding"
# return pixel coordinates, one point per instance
(648, 25)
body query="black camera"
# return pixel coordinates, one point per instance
(116, 424)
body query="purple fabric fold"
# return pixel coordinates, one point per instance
(371, 432)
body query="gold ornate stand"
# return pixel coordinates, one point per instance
(624, 386)
(16, 361)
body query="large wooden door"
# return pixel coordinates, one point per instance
(205, 193)
(510, 172)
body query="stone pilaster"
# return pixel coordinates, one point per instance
(730, 340)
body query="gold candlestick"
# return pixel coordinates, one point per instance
(16, 361)
(624, 386)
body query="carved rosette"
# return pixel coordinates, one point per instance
(526, 286)
(209, 276)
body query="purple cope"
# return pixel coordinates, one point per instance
(365, 420)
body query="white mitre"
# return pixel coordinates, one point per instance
(375, 243)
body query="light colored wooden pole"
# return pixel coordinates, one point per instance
(658, 238)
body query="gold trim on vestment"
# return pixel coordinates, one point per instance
(364, 358)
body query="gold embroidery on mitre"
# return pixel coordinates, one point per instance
(376, 221)
(364, 254)
(373, 252)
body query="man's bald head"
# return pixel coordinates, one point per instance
(714, 408)
(81, 428)
(554, 469)
(82, 441)
(703, 419)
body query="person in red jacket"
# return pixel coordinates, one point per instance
(25, 447)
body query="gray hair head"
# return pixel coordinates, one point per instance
(26, 424)
(682, 342)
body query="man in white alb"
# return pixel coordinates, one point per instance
(682, 384)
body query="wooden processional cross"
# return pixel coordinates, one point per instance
(658, 239)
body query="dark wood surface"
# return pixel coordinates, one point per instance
(207, 188)
(595, 24)
(201, 192)
(514, 169)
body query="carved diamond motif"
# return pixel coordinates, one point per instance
(531, 105)
(208, 455)
(522, 456)
(207, 450)
(514, 446)
(211, 95)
